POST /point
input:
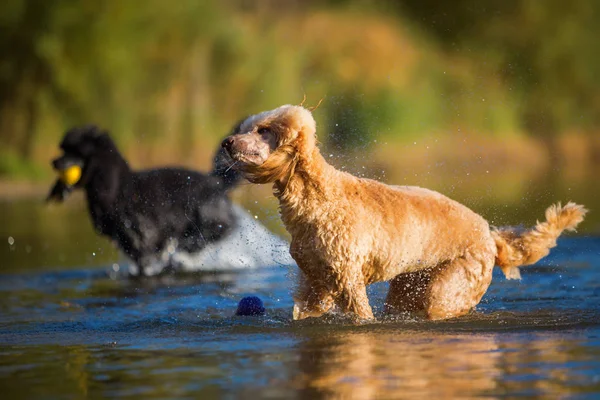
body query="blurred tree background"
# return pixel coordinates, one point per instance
(513, 81)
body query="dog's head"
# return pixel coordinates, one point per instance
(270, 144)
(79, 145)
(223, 164)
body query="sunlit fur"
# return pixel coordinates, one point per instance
(348, 232)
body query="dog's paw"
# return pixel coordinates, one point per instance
(512, 273)
(302, 312)
(297, 314)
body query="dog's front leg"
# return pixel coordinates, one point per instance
(312, 299)
(352, 296)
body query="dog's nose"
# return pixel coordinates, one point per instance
(227, 143)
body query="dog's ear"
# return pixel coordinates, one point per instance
(81, 140)
(302, 122)
(103, 141)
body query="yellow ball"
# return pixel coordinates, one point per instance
(70, 175)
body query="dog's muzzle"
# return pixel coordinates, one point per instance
(69, 171)
(227, 144)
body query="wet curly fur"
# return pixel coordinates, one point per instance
(349, 232)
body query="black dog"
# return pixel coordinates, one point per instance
(152, 214)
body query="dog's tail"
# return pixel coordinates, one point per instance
(518, 247)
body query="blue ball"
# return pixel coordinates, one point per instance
(250, 305)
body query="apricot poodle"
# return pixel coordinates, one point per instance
(349, 232)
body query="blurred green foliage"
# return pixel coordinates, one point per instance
(175, 75)
(543, 51)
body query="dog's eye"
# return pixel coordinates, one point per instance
(263, 131)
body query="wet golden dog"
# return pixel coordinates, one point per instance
(349, 232)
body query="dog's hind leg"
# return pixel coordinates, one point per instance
(407, 292)
(457, 287)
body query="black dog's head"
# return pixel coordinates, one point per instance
(79, 145)
(223, 164)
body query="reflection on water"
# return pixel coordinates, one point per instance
(443, 365)
(348, 365)
(383, 364)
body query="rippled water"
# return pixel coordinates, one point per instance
(78, 332)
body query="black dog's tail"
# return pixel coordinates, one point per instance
(224, 166)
